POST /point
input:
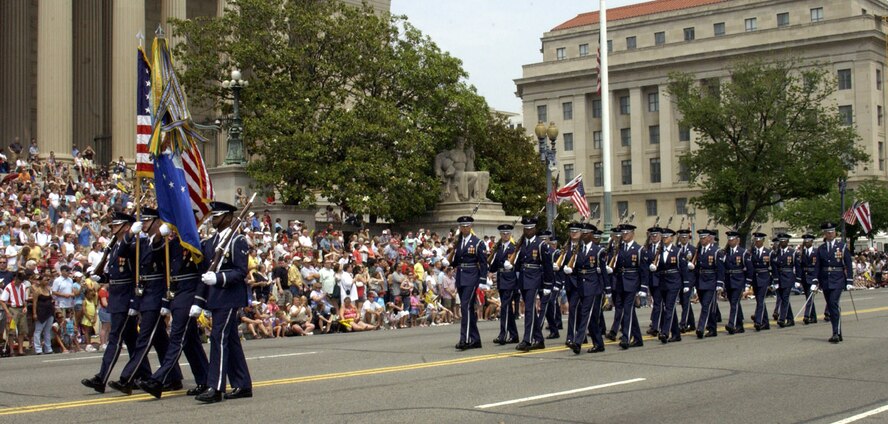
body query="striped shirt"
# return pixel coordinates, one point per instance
(15, 295)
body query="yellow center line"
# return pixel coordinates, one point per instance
(321, 377)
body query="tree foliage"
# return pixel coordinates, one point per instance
(769, 134)
(342, 103)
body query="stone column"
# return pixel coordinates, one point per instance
(668, 128)
(128, 19)
(172, 9)
(18, 47)
(639, 137)
(55, 82)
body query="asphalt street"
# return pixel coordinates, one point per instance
(787, 375)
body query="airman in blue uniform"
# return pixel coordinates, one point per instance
(592, 234)
(784, 278)
(631, 277)
(118, 272)
(671, 266)
(470, 261)
(806, 275)
(507, 284)
(738, 276)
(761, 280)
(225, 291)
(687, 321)
(834, 273)
(536, 279)
(571, 276)
(710, 272)
(590, 268)
(551, 308)
(649, 252)
(616, 235)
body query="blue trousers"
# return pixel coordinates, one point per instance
(184, 338)
(226, 353)
(810, 311)
(628, 320)
(124, 331)
(785, 306)
(735, 319)
(618, 312)
(656, 307)
(574, 301)
(152, 333)
(553, 311)
(468, 323)
(707, 310)
(761, 310)
(533, 325)
(835, 311)
(687, 309)
(586, 315)
(508, 327)
(669, 319)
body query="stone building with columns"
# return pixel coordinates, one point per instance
(68, 70)
(649, 40)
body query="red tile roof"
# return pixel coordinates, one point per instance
(633, 10)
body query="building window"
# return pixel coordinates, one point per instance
(659, 38)
(683, 174)
(844, 79)
(689, 33)
(599, 174)
(655, 170)
(626, 167)
(568, 171)
(751, 24)
(684, 133)
(878, 79)
(542, 114)
(881, 156)
(782, 19)
(567, 110)
(879, 115)
(596, 108)
(568, 143)
(625, 137)
(654, 134)
(622, 208)
(847, 114)
(610, 46)
(584, 50)
(596, 140)
(718, 29)
(817, 14)
(559, 53)
(630, 43)
(654, 102)
(595, 210)
(624, 105)
(651, 206)
(681, 206)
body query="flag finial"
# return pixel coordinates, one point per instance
(159, 31)
(141, 37)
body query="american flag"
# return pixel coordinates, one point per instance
(574, 191)
(144, 166)
(859, 212)
(598, 67)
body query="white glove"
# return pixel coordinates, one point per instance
(556, 289)
(719, 289)
(164, 311)
(773, 287)
(95, 278)
(798, 285)
(508, 265)
(555, 268)
(208, 314)
(643, 294)
(814, 287)
(608, 296)
(848, 287)
(164, 230)
(747, 287)
(132, 312)
(209, 278)
(195, 311)
(91, 270)
(446, 263)
(652, 267)
(136, 228)
(546, 292)
(686, 289)
(568, 270)
(609, 270)
(691, 266)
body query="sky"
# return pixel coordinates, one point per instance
(494, 38)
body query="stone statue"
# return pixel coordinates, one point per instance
(456, 169)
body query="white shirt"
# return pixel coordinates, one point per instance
(11, 253)
(305, 241)
(94, 257)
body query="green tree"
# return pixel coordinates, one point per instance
(342, 103)
(769, 134)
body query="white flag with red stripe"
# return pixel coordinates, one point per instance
(862, 213)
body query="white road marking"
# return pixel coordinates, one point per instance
(72, 359)
(567, 392)
(182, 364)
(862, 415)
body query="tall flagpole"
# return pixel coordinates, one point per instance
(605, 114)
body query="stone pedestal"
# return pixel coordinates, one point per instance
(227, 179)
(443, 218)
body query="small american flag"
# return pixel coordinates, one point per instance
(598, 67)
(859, 212)
(144, 165)
(574, 191)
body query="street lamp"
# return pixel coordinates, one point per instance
(235, 155)
(547, 156)
(843, 183)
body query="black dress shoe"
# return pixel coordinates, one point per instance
(552, 336)
(813, 320)
(674, 339)
(121, 387)
(499, 341)
(238, 393)
(740, 330)
(683, 329)
(834, 339)
(624, 345)
(611, 336)
(512, 341)
(523, 346)
(806, 321)
(537, 346)
(94, 383)
(209, 396)
(775, 316)
(730, 330)
(663, 338)
(172, 386)
(781, 324)
(766, 327)
(460, 346)
(692, 327)
(790, 324)
(652, 332)
(841, 339)
(699, 334)
(596, 349)
(636, 343)
(757, 327)
(474, 345)
(152, 387)
(197, 390)
(711, 333)
(575, 348)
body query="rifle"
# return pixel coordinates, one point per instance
(224, 243)
(659, 252)
(459, 240)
